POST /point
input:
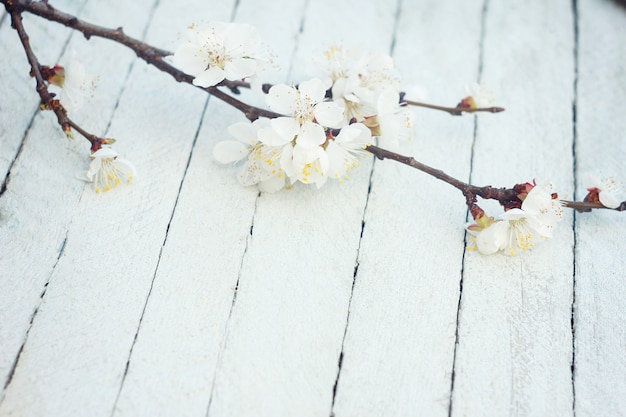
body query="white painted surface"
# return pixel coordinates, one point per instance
(600, 364)
(514, 347)
(159, 298)
(398, 355)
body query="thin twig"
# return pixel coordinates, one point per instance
(454, 111)
(48, 101)
(148, 53)
(154, 56)
(502, 195)
(583, 207)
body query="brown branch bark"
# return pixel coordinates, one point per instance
(454, 111)
(48, 101)
(502, 195)
(154, 56)
(147, 52)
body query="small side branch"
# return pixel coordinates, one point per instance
(48, 102)
(583, 207)
(454, 111)
(147, 52)
(502, 195)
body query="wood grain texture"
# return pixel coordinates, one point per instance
(43, 188)
(187, 294)
(514, 337)
(172, 367)
(399, 347)
(600, 335)
(22, 257)
(79, 341)
(284, 336)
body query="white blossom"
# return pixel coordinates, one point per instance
(302, 134)
(478, 96)
(306, 103)
(76, 84)
(358, 78)
(344, 151)
(219, 51)
(262, 162)
(520, 228)
(609, 191)
(107, 170)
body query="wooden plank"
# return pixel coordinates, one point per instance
(399, 346)
(20, 102)
(514, 337)
(284, 336)
(172, 367)
(43, 190)
(600, 336)
(77, 348)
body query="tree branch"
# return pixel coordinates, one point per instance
(507, 197)
(454, 111)
(148, 53)
(48, 101)
(502, 195)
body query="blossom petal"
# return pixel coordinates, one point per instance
(244, 132)
(239, 68)
(328, 114)
(241, 40)
(282, 131)
(92, 171)
(286, 162)
(272, 184)
(282, 99)
(493, 238)
(190, 60)
(608, 200)
(311, 135)
(388, 102)
(209, 78)
(339, 160)
(354, 136)
(229, 151)
(314, 89)
(126, 168)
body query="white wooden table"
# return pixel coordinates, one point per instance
(185, 294)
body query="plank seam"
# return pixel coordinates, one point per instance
(249, 238)
(395, 27)
(6, 180)
(481, 50)
(156, 269)
(354, 275)
(243, 257)
(358, 251)
(30, 324)
(297, 39)
(3, 188)
(232, 306)
(574, 174)
(7, 177)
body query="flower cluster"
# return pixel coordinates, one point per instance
(367, 88)
(219, 51)
(518, 228)
(326, 123)
(308, 144)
